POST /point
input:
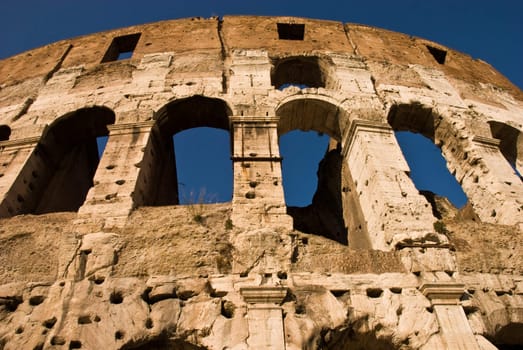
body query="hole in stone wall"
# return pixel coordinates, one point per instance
(312, 184)
(204, 168)
(63, 164)
(116, 298)
(301, 152)
(148, 323)
(84, 319)
(227, 309)
(11, 303)
(508, 336)
(49, 323)
(428, 169)
(511, 144)
(101, 142)
(438, 54)
(194, 166)
(119, 335)
(290, 31)
(298, 71)
(75, 344)
(374, 292)
(5, 132)
(121, 48)
(36, 300)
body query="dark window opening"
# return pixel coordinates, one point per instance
(428, 168)
(290, 31)
(415, 128)
(203, 163)
(298, 71)
(508, 336)
(60, 171)
(311, 171)
(184, 142)
(121, 48)
(5, 132)
(438, 54)
(302, 151)
(510, 145)
(101, 142)
(321, 210)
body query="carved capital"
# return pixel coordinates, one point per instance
(443, 293)
(263, 295)
(362, 125)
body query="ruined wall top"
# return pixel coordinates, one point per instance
(182, 36)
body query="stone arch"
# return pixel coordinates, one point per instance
(421, 119)
(332, 213)
(5, 132)
(157, 181)
(504, 328)
(311, 71)
(511, 143)
(311, 112)
(60, 170)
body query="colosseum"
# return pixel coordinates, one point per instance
(98, 253)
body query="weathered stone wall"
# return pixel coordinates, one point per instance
(107, 267)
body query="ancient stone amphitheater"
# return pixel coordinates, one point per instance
(97, 253)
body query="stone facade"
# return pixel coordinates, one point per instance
(97, 253)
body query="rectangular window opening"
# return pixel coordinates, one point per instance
(288, 31)
(121, 48)
(438, 54)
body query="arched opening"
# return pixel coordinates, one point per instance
(428, 168)
(415, 129)
(511, 144)
(509, 336)
(101, 142)
(302, 151)
(308, 71)
(5, 132)
(203, 165)
(163, 180)
(324, 214)
(60, 171)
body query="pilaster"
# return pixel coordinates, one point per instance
(258, 199)
(391, 206)
(265, 317)
(454, 327)
(116, 177)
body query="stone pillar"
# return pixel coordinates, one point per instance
(393, 209)
(115, 180)
(258, 199)
(265, 317)
(454, 327)
(16, 177)
(491, 184)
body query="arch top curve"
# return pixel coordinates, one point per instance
(82, 123)
(311, 112)
(191, 112)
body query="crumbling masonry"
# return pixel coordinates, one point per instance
(97, 253)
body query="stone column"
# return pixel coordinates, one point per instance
(491, 184)
(265, 317)
(115, 180)
(454, 327)
(258, 199)
(394, 211)
(16, 176)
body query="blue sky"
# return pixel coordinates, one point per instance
(485, 29)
